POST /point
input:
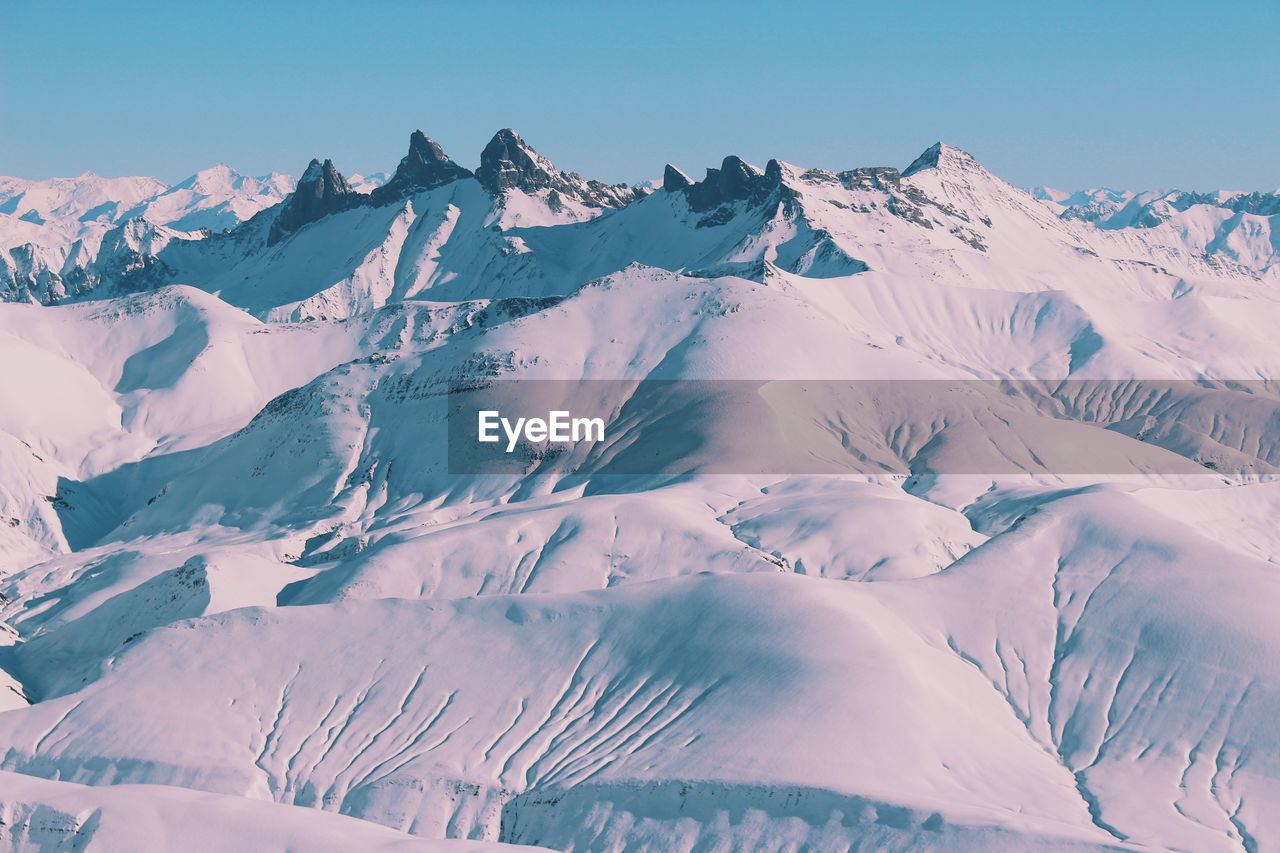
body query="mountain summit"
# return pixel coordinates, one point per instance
(673, 179)
(321, 191)
(940, 155)
(733, 181)
(509, 163)
(425, 167)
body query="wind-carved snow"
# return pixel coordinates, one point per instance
(242, 590)
(42, 815)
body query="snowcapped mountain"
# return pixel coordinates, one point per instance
(215, 198)
(1235, 225)
(53, 232)
(519, 226)
(366, 183)
(243, 590)
(88, 198)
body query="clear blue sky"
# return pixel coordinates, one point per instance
(1130, 94)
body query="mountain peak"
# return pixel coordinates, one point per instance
(942, 156)
(508, 162)
(507, 136)
(673, 179)
(422, 144)
(775, 170)
(425, 167)
(219, 176)
(321, 190)
(736, 179)
(737, 171)
(313, 172)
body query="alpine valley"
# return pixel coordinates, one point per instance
(244, 604)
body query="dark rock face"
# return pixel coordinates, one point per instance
(928, 160)
(884, 178)
(735, 180)
(720, 216)
(735, 177)
(321, 191)
(508, 162)
(425, 167)
(1260, 204)
(673, 179)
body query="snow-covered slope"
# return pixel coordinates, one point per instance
(352, 705)
(59, 238)
(242, 589)
(1234, 225)
(83, 199)
(216, 198)
(49, 817)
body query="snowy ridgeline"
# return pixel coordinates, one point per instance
(518, 226)
(246, 603)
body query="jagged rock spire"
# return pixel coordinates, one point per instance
(507, 162)
(425, 167)
(321, 190)
(673, 179)
(735, 176)
(734, 180)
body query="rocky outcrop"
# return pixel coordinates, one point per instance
(1259, 204)
(321, 191)
(509, 163)
(735, 180)
(425, 167)
(884, 178)
(673, 179)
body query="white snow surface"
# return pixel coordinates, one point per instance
(53, 231)
(41, 816)
(243, 602)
